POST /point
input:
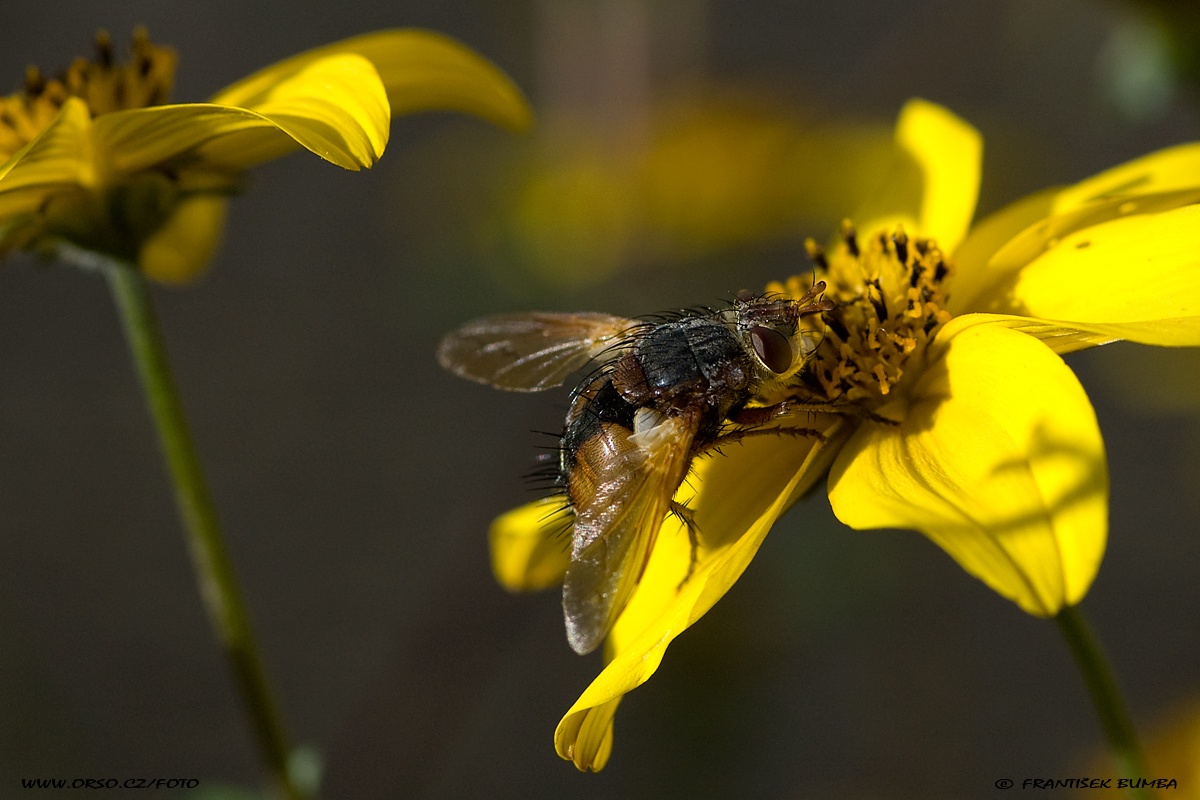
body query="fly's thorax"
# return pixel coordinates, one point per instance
(103, 83)
(692, 361)
(889, 294)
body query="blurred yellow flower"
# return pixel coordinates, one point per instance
(940, 390)
(705, 176)
(95, 159)
(1172, 753)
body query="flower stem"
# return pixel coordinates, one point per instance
(1106, 697)
(210, 559)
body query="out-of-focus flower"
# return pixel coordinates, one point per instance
(1172, 755)
(713, 173)
(706, 177)
(94, 157)
(939, 389)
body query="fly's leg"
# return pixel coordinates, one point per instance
(685, 515)
(797, 403)
(751, 420)
(752, 417)
(737, 436)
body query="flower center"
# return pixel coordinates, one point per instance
(103, 84)
(891, 293)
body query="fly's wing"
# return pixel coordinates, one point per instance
(621, 488)
(530, 352)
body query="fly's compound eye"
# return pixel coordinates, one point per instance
(773, 348)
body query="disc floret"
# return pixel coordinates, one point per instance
(890, 293)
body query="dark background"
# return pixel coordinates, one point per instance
(356, 481)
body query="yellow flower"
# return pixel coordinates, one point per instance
(945, 404)
(95, 159)
(1172, 752)
(704, 177)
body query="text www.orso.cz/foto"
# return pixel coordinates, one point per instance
(109, 783)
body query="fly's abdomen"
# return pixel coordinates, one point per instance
(595, 407)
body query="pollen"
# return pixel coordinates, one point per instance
(105, 85)
(890, 294)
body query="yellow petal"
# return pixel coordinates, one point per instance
(1166, 171)
(934, 184)
(587, 739)
(60, 157)
(1021, 233)
(531, 546)
(181, 249)
(974, 268)
(1135, 277)
(998, 460)
(736, 498)
(421, 70)
(1062, 338)
(335, 107)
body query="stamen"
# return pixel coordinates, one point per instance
(838, 327)
(850, 237)
(876, 298)
(900, 240)
(104, 51)
(34, 82)
(816, 255)
(915, 279)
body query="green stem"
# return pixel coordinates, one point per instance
(1106, 697)
(210, 559)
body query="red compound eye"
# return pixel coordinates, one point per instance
(773, 348)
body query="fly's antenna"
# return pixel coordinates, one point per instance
(812, 302)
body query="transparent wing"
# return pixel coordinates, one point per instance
(530, 352)
(621, 488)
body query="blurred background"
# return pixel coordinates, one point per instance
(683, 151)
